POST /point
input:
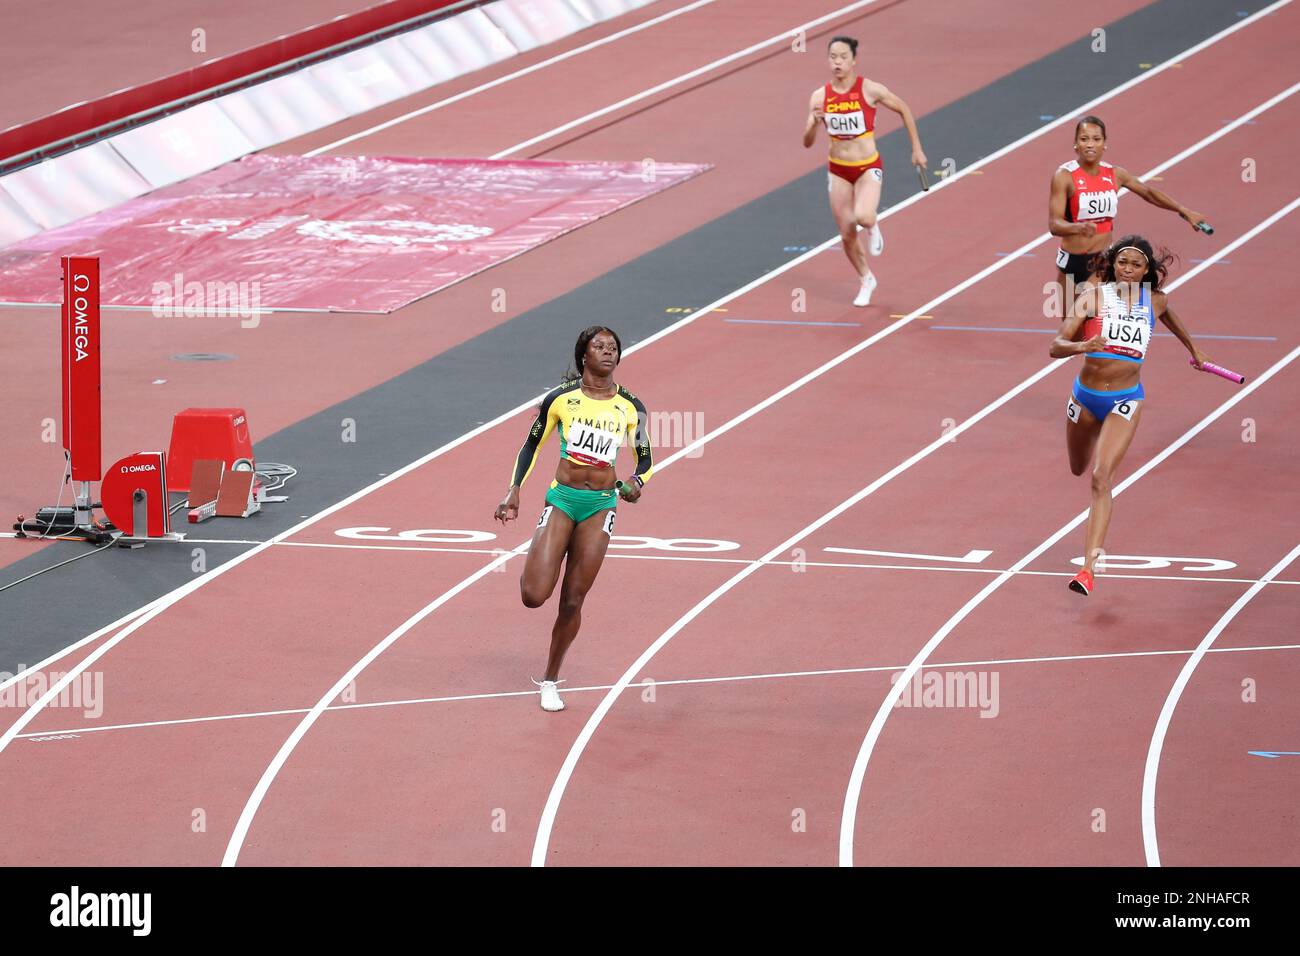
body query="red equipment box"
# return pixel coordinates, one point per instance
(211, 433)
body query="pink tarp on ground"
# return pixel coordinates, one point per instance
(349, 234)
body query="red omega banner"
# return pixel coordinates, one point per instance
(81, 365)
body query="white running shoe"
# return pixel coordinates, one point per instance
(864, 293)
(550, 694)
(876, 240)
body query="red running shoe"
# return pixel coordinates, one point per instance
(1082, 583)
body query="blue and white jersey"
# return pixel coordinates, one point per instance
(1128, 331)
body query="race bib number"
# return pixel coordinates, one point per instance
(1126, 409)
(876, 173)
(845, 124)
(1126, 334)
(1062, 258)
(546, 516)
(1098, 205)
(1072, 410)
(608, 526)
(592, 446)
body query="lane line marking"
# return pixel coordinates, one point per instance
(153, 609)
(623, 556)
(499, 81)
(854, 789)
(783, 37)
(778, 675)
(1150, 845)
(258, 795)
(177, 594)
(26, 672)
(973, 556)
(547, 821)
(240, 832)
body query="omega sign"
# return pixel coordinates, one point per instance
(80, 325)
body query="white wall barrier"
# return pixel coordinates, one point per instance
(191, 141)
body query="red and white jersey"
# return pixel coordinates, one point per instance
(1094, 199)
(847, 115)
(1128, 330)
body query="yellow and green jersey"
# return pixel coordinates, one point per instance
(592, 430)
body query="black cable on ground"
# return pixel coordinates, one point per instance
(84, 554)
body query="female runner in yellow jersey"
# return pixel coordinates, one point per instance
(847, 107)
(595, 417)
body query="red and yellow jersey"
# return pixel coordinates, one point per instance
(592, 430)
(1093, 199)
(847, 115)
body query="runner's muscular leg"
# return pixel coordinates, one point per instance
(587, 549)
(866, 198)
(1116, 435)
(1080, 436)
(542, 566)
(842, 200)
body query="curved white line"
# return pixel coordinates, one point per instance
(240, 833)
(175, 595)
(547, 821)
(26, 672)
(268, 776)
(853, 792)
(148, 612)
(1149, 842)
(272, 770)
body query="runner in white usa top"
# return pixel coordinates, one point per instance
(1111, 326)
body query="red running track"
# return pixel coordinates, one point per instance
(715, 772)
(276, 388)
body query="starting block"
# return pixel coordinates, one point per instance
(216, 491)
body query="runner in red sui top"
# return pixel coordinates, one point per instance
(847, 107)
(1082, 205)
